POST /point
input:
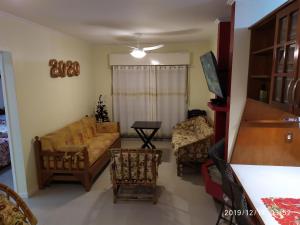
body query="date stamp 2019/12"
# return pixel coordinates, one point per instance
(233, 212)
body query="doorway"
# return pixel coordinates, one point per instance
(6, 176)
(14, 138)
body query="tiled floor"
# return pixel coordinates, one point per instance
(6, 176)
(183, 201)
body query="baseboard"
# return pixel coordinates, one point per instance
(28, 195)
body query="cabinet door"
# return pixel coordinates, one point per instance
(295, 89)
(285, 66)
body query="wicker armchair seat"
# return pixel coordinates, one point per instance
(191, 140)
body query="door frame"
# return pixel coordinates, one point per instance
(13, 125)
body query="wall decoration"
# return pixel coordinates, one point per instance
(63, 69)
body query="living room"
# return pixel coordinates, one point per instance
(96, 36)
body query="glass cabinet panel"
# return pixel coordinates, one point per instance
(278, 89)
(290, 64)
(293, 26)
(280, 60)
(282, 33)
(287, 89)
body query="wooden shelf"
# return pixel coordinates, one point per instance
(281, 45)
(284, 74)
(217, 108)
(263, 51)
(260, 77)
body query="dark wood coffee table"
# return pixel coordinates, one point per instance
(140, 126)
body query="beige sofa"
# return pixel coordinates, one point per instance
(191, 140)
(77, 152)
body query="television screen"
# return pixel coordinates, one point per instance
(209, 65)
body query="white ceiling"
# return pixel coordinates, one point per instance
(118, 21)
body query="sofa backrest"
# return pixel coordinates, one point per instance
(135, 165)
(202, 128)
(77, 133)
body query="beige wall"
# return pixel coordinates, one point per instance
(45, 104)
(198, 91)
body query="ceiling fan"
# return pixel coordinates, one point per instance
(138, 52)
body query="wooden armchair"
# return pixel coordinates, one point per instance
(135, 170)
(13, 210)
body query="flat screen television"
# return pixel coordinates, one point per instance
(215, 80)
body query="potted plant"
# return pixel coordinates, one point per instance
(101, 111)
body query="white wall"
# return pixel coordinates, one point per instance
(45, 104)
(246, 13)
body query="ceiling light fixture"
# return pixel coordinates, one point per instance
(138, 53)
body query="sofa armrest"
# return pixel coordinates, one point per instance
(108, 127)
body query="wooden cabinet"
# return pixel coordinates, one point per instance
(261, 59)
(286, 48)
(274, 62)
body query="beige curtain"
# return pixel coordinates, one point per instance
(149, 93)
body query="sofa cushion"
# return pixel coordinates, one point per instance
(46, 143)
(56, 141)
(77, 132)
(202, 128)
(99, 144)
(180, 139)
(95, 153)
(190, 131)
(10, 213)
(89, 126)
(107, 127)
(103, 140)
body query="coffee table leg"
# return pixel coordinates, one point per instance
(143, 136)
(148, 139)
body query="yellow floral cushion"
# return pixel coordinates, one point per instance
(94, 153)
(89, 126)
(46, 143)
(92, 124)
(10, 213)
(55, 141)
(191, 139)
(66, 134)
(139, 169)
(107, 127)
(77, 133)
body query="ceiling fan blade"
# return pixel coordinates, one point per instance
(153, 47)
(131, 47)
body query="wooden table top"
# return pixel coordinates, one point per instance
(146, 125)
(265, 182)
